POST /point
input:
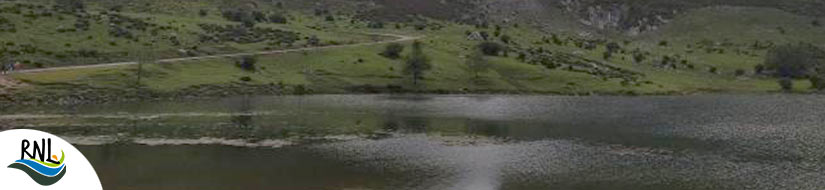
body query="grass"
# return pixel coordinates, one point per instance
(340, 69)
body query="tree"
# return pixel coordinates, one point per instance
(793, 61)
(417, 63)
(392, 51)
(477, 63)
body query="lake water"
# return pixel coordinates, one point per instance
(448, 142)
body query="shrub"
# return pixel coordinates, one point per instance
(612, 48)
(758, 69)
(240, 15)
(375, 24)
(786, 83)
(557, 40)
(259, 16)
(392, 51)
(247, 63)
(319, 12)
(505, 39)
(638, 56)
(818, 82)
(490, 48)
(277, 18)
(70, 5)
(203, 12)
(739, 72)
(313, 41)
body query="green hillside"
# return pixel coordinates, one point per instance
(703, 48)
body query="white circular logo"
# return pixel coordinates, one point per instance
(32, 159)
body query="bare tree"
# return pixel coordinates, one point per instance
(477, 63)
(417, 63)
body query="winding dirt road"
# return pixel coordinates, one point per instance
(399, 38)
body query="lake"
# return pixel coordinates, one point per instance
(473, 142)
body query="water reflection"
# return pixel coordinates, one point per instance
(405, 124)
(455, 142)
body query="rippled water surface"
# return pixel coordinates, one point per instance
(448, 142)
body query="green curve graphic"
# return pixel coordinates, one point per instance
(52, 165)
(37, 177)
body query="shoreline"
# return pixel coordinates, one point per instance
(90, 95)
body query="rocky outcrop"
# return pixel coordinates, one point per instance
(619, 16)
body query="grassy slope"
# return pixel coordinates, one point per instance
(43, 34)
(336, 70)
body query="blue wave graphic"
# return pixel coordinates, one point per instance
(41, 168)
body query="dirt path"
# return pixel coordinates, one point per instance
(399, 38)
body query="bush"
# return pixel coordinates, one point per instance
(277, 18)
(638, 56)
(490, 48)
(70, 5)
(739, 72)
(818, 82)
(392, 51)
(375, 24)
(612, 48)
(247, 63)
(786, 83)
(758, 69)
(420, 26)
(314, 41)
(259, 16)
(203, 12)
(505, 39)
(240, 15)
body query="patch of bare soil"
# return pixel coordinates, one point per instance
(7, 83)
